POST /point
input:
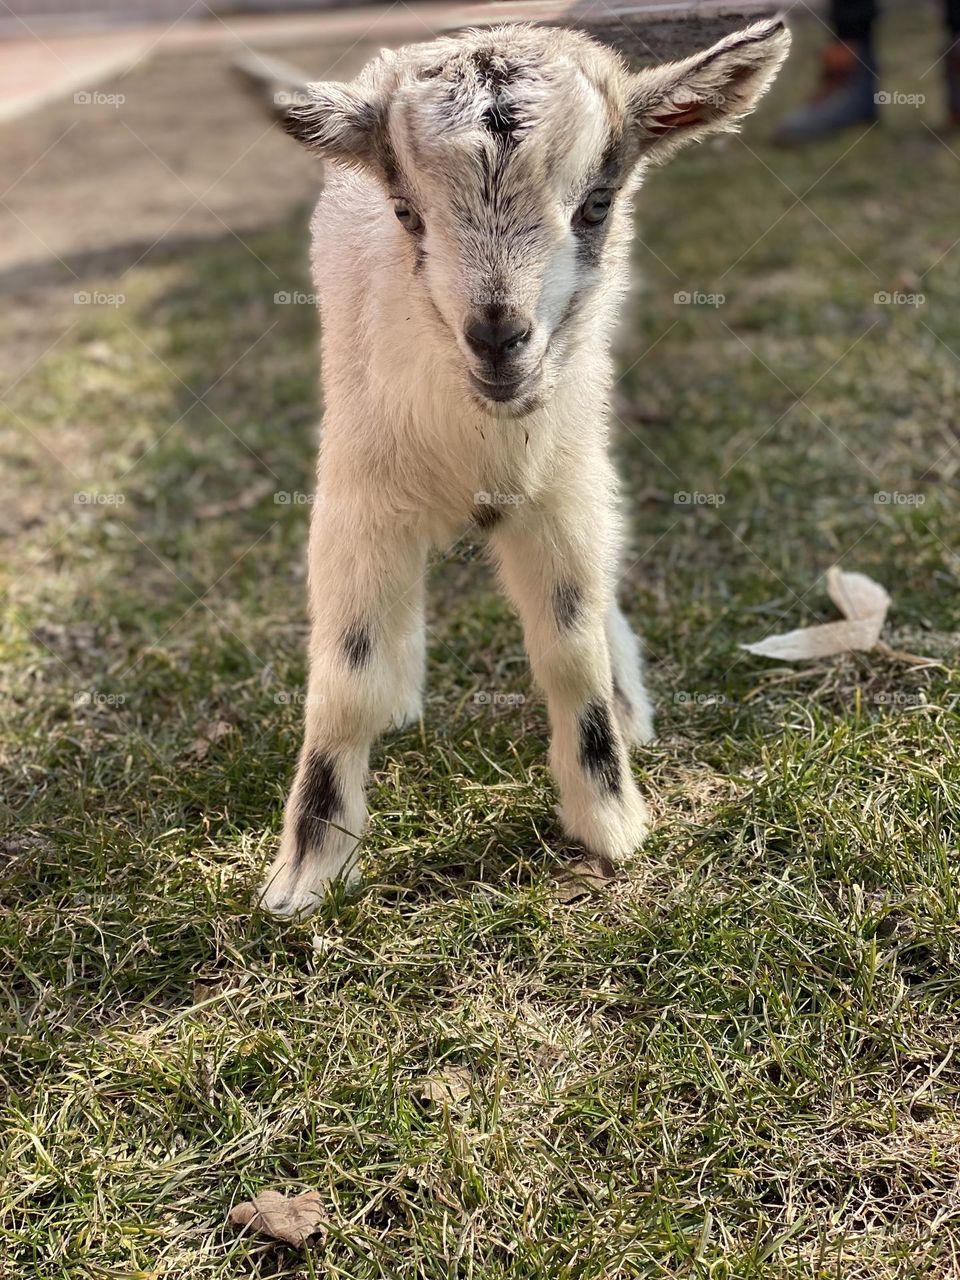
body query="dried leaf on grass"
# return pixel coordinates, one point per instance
(292, 1219)
(208, 732)
(863, 603)
(77, 638)
(241, 501)
(449, 1085)
(16, 851)
(585, 876)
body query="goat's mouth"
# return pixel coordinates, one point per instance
(500, 391)
(503, 390)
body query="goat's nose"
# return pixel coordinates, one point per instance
(500, 338)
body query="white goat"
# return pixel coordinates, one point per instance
(470, 252)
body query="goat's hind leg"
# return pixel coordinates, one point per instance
(630, 699)
(408, 701)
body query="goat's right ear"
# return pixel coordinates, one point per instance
(338, 121)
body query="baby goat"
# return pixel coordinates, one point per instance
(470, 250)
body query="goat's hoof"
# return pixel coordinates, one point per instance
(406, 717)
(635, 718)
(614, 829)
(295, 888)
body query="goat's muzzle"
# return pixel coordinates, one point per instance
(500, 347)
(498, 340)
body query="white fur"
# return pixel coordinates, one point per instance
(409, 445)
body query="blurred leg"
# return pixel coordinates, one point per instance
(852, 20)
(846, 95)
(953, 62)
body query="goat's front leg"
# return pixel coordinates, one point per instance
(366, 667)
(559, 574)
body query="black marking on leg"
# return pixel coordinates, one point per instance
(356, 645)
(319, 802)
(567, 604)
(598, 747)
(487, 516)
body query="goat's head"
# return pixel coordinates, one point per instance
(510, 155)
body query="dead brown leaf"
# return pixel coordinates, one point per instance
(16, 851)
(242, 501)
(863, 603)
(449, 1085)
(208, 732)
(80, 637)
(292, 1219)
(585, 876)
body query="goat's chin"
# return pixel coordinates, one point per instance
(509, 410)
(531, 394)
(519, 406)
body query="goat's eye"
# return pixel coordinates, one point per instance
(596, 206)
(408, 215)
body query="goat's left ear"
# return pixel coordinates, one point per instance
(708, 92)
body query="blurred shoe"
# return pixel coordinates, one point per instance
(845, 97)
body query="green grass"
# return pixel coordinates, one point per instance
(738, 1061)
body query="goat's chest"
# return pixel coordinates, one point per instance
(483, 468)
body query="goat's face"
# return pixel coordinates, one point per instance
(507, 174)
(509, 156)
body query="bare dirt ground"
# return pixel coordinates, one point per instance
(171, 154)
(165, 159)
